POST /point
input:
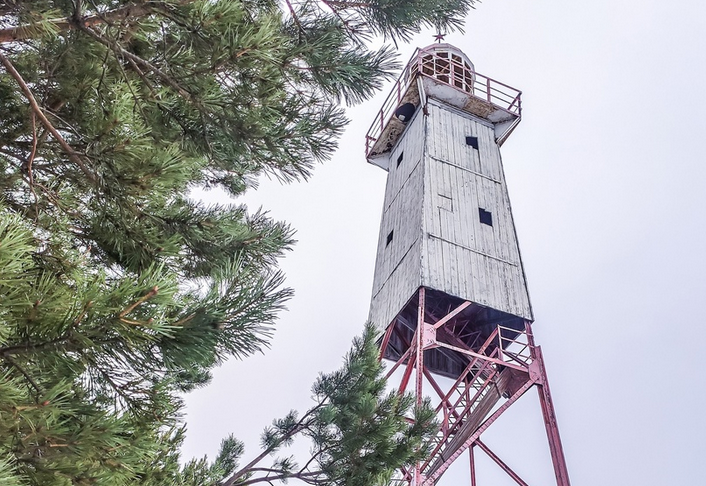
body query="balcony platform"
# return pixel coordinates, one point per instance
(443, 72)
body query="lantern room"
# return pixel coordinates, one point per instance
(442, 72)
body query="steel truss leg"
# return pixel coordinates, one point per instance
(550, 422)
(473, 465)
(419, 382)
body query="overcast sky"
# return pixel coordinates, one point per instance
(607, 179)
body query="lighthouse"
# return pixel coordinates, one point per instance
(449, 290)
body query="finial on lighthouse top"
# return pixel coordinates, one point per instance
(441, 72)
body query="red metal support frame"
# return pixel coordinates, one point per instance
(472, 464)
(419, 365)
(550, 422)
(419, 391)
(500, 463)
(431, 480)
(501, 370)
(386, 339)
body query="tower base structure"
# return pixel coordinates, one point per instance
(498, 364)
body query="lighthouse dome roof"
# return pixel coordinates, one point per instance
(444, 50)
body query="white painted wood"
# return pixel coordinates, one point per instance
(432, 205)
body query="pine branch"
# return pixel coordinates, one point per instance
(307, 477)
(24, 373)
(26, 31)
(153, 291)
(28, 348)
(73, 155)
(302, 424)
(345, 5)
(137, 59)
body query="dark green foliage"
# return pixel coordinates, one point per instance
(359, 432)
(118, 290)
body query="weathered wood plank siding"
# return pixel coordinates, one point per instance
(463, 256)
(398, 266)
(432, 204)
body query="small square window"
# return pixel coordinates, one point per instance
(389, 238)
(486, 217)
(399, 159)
(472, 141)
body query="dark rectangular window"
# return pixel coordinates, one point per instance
(472, 141)
(389, 238)
(486, 217)
(399, 159)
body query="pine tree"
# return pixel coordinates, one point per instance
(118, 291)
(360, 435)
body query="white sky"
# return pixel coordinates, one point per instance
(608, 187)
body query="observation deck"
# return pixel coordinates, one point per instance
(442, 72)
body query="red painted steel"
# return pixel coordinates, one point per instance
(419, 365)
(472, 465)
(500, 463)
(499, 372)
(451, 315)
(386, 339)
(550, 423)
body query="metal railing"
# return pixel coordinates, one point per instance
(452, 71)
(514, 346)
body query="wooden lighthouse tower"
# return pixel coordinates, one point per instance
(449, 289)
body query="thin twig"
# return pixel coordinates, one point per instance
(136, 323)
(78, 9)
(313, 457)
(28, 348)
(344, 5)
(340, 17)
(153, 291)
(309, 478)
(30, 160)
(78, 320)
(130, 401)
(184, 320)
(24, 373)
(295, 17)
(73, 155)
